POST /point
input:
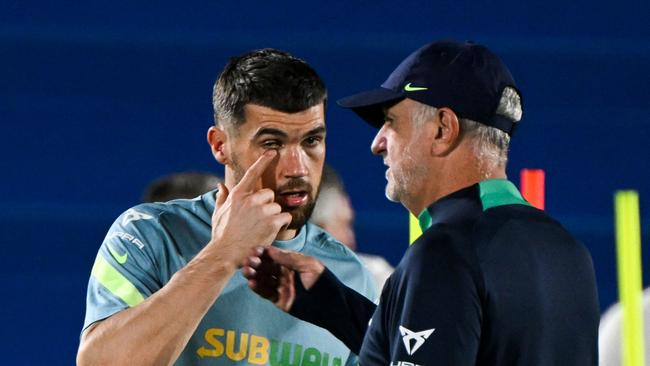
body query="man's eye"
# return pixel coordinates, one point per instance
(271, 144)
(313, 141)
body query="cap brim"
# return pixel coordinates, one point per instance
(368, 105)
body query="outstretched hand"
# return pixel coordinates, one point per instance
(271, 274)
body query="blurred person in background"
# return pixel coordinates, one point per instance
(610, 334)
(180, 185)
(334, 213)
(165, 286)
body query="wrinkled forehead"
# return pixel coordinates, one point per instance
(259, 119)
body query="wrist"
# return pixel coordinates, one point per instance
(221, 255)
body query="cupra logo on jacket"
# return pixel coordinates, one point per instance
(419, 338)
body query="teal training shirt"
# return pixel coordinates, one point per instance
(148, 243)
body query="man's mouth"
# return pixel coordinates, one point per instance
(292, 198)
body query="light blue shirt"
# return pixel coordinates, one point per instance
(148, 243)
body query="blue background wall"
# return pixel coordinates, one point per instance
(98, 99)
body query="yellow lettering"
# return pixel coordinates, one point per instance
(259, 350)
(230, 346)
(211, 337)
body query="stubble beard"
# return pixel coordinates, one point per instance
(300, 215)
(403, 178)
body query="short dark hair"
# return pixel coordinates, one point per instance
(267, 77)
(180, 185)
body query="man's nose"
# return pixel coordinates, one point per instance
(378, 146)
(293, 163)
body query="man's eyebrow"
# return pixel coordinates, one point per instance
(320, 130)
(386, 113)
(270, 131)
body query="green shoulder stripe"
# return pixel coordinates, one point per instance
(499, 192)
(424, 220)
(115, 282)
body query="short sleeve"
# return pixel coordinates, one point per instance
(124, 273)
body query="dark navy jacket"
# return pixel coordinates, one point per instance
(492, 281)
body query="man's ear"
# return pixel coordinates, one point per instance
(447, 132)
(217, 138)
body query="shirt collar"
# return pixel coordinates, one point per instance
(469, 202)
(295, 244)
(460, 205)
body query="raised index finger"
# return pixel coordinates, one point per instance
(252, 177)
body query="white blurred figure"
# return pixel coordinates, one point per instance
(610, 333)
(334, 213)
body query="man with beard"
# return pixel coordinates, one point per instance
(492, 280)
(165, 287)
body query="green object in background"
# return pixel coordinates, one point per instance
(628, 254)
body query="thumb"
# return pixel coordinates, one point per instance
(282, 257)
(309, 268)
(222, 195)
(293, 260)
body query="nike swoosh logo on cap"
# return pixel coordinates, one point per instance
(408, 87)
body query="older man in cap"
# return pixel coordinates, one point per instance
(492, 280)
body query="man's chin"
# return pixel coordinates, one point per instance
(296, 224)
(299, 215)
(391, 195)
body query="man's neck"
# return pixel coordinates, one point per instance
(287, 234)
(453, 174)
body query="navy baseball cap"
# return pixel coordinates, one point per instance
(466, 77)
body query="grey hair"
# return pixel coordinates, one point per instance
(510, 104)
(490, 145)
(422, 113)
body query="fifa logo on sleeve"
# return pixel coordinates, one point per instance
(419, 337)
